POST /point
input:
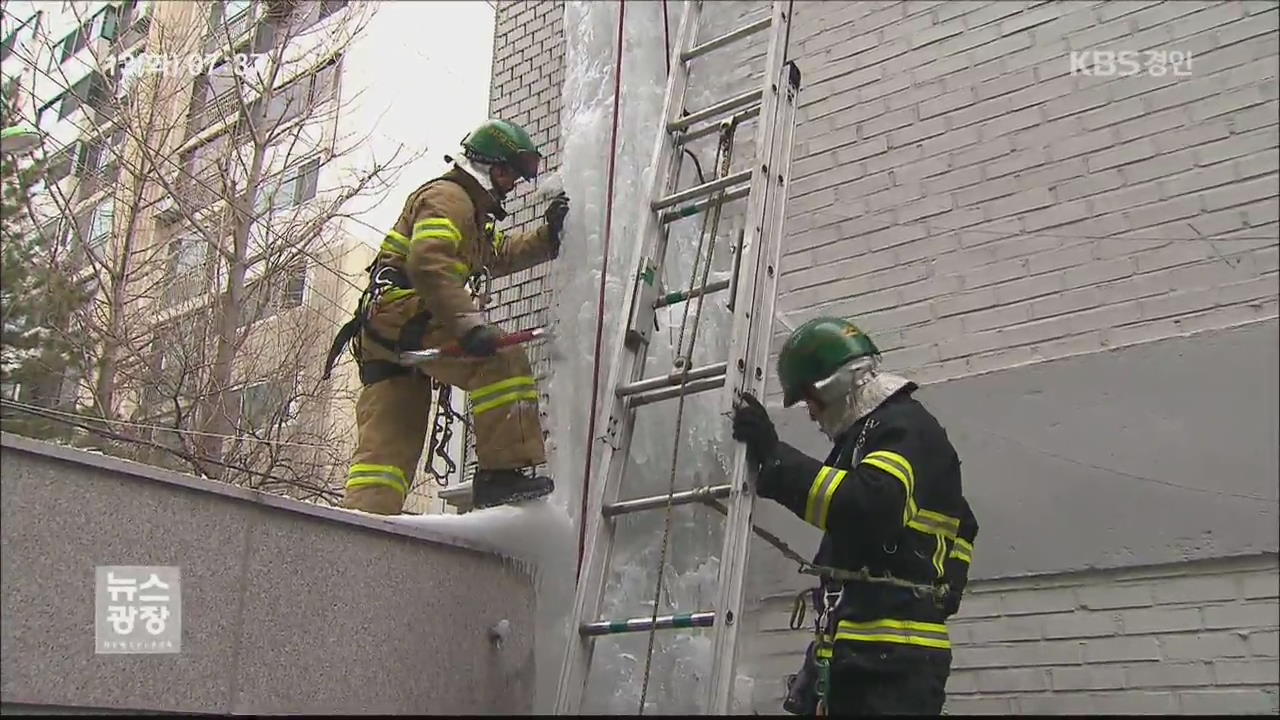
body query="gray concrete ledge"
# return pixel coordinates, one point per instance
(127, 468)
(286, 607)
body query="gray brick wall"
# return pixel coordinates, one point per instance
(966, 197)
(1185, 639)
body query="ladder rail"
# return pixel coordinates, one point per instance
(764, 186)
(752, 332)
(625, 366)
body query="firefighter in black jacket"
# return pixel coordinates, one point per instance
(898, 533)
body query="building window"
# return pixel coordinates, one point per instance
(188, 255)
(75, 96)
(101, 221)
(302, 94)
(107, 23)
(233, 9)
(289, 189)
(63, 162)
(104, 152)
(74, 43)
(266, 403)
(329, 7)
(284, 289)
(295, 287)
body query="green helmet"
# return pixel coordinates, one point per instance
(816, 350)
(498, 141)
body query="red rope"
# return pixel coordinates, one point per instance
(666, 36)
(604, 274)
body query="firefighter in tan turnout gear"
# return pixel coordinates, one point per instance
(417, 300)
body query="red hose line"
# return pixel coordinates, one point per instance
(604, 275)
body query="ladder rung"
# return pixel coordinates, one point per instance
(725, 39)
(664, 622)
(673, 379)
(719, 108)
(683, 497)
(702, 190)
(713, 128)
(682, 295)
(695, 208)
(693, 387)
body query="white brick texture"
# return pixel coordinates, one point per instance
(973, 111)
(1179, 639)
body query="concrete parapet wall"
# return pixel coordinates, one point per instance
(286, 607)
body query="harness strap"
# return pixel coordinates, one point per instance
(372, 371)
(344, 336)
(937, 592)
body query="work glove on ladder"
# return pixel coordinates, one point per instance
(751, 425)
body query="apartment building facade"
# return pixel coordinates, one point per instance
(1079, 268)
(146, 112)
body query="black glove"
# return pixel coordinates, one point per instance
(481, 341)
(555, 214)
(751, 425)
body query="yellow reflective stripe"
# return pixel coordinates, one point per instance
(826, 500)
(519, 381)
(364, 475)
(397, 294)
(940, 555)
(897, 466)
(436, 229)
(462, 270)
(904, 632)
(824, 506)
(888, 624)
(928, 527)
(962, 550)
(355, 483)
(498, 237)
(951, 525)
(508, 399)
(396, 243)
(815, 509)
(824, 652)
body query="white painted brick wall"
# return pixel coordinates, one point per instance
(922, 118)
(1186, 639)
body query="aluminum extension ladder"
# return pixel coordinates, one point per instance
(752, 288)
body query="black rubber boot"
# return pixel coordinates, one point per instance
(491, 488)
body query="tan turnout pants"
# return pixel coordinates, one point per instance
(392, 415)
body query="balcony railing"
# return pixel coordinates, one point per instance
(219, 109)
(236, 28)
(136, 33)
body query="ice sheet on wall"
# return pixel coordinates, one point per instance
(681, 659)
